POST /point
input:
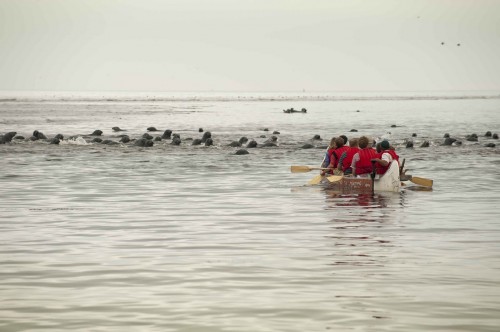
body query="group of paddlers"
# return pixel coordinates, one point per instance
(358, 158)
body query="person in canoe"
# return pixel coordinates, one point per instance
(328, 153)
(340, 149)
(361, 161)
(346, 157)
(385, 157)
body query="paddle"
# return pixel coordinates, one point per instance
(334, 178)
(421, 181)
(304, 169)
(372, 175)
(315, 180)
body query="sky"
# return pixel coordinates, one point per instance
(245, 45)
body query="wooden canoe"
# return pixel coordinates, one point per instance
(387, 182)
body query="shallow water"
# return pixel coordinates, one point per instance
(194, 238)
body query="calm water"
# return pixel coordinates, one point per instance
(193, 238)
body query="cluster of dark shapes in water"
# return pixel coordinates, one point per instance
(146, 140)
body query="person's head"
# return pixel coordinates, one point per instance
(353, 142)
(344, 137)
(378, 147)
(332, 142)
(363, 142)
(339, 142)
(384, 145)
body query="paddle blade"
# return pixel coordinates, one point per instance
(334, 178)
(300, 169)
(315, 180)
(422, 181)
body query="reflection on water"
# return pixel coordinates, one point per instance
(335, 199)
(357, 227)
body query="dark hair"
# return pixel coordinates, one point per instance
(339, 142)
(363, 142)
(344, 137)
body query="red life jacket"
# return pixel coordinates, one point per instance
(337, 153)
(346, 163)
(364, 164)
(382, 169)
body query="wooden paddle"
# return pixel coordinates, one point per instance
(421, 181)
(334, 178)
(315, 180)
(304, 169)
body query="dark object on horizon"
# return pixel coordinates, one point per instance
(272, 139)
(292, 110)
(472, 138)
(144, 143)
(307, 146)
(38, 135)
(490, 145)
(97, 140)
(266, 129)
(125, 139)
(409, 144)
(209, 142)
(488, 134)
(251, 144)
(241, 152)
(109, 142)
(196, 141)
(147, 136)
(117, 129)
(167, 134)
(316, 137)
(414, 135)
(176, 140)
(97, 133)
(206, 136)
(446, 135)
(157, 139)
(458, 44)
(276, 132)
(495, 136)
(152, 129)
(59, 136)
(425, 144)
(353, 130)
(235, 144)
(393, 126)
(200, 130)
(243, 140)
(55, 140)
(7, 137)
(449, 141)
(442, 43)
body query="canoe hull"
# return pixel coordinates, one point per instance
(387, 182)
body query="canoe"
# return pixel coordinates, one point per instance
(387, 182)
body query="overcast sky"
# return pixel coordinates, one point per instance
(244, 45)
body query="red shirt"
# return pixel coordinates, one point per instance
(364, 164)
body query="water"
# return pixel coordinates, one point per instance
(195, 238)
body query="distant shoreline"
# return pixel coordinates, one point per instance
(20, 97)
